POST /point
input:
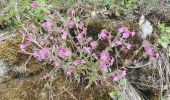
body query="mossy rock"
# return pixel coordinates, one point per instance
(18, 61)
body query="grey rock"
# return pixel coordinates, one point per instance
(3, 68)
(145, 26)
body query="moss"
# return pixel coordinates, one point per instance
(36, 88)
(95, 26)
(10, 53)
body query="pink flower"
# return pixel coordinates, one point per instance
(132, 33)
(149, 51)
(122, 29)
(62, 52)
(80, 37)
(80, 25)
(71, 25)
(43, 42)
(30, 38)
(118, 42)
(104, 68)
(68, 53)
(111, 62)
(69, 72)
(43, 54)
(71, 12)
(75, 62)
(95, 56)
(103, 34)
(34, 30)
(64, 35)
(128, 46)
(126, 35)
(34, 5)
(22, 47)
(86, 49)
(83, 62)
(93, 44)
(56, 14)
(48, 25)
(57, 64)
(104, 56)
(118, 74)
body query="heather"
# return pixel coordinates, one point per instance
(65, 49)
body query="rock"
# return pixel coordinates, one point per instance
(3, 68)
(146, 27)
(3, 71)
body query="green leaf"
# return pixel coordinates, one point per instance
(117, 13)
(167, 29)
(164, 44)
(122, 2)
(112, 94)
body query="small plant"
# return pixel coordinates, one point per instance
(68, 47)
(164, 39)
(119, 94)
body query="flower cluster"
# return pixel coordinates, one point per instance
(67, 47)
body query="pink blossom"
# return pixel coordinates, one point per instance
(34, 30)
(68, 53)
(104, 68)
(48, 25)
(22, 47)
(56, 14)
(34, 5)
(149, 51)
(64, 53)
(93, 44)
(30, 38)
(128, 46)
(83, 62)
(80, 25)
(69, 72)
(132, 33)
(111, 62)
(118, 42)
(109, 36)
(118, 74)
(104, 56)
(95, 56)
(64, 35)
(86, 49)
(43, 54)
(71, 25)
(61, 53)
(80, 37)
(126, 35)
(75, 62)
(122, 29)
(103, 34)
(57, 64)
(71, 12)
(42, 42)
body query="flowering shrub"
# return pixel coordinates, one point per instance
(68, 47)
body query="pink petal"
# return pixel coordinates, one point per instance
(33, 5)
